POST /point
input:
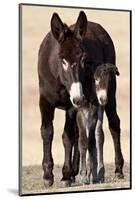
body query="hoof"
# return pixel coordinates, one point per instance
(95, 181)
(66, 183)
(72, 179)
(48, 182)
(101, 175)
(85, 181)
(101, 180)
(119, 176)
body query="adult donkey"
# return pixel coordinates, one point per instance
(65, 57)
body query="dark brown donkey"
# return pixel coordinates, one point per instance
(65, 57)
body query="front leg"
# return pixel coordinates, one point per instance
(99, 144)
(92, 161)
(83, 145)
(47, 113)
(82, 119)
(68, 142)
(76, 156)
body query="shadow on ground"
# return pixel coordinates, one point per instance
(32, 181)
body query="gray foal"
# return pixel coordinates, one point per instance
(87, 117)
(90, 125)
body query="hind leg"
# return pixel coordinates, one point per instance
(114, 126)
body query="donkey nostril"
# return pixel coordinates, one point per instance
(76, 101)
(100, 99)
(103, 101)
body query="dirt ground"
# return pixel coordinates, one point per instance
(35, 25)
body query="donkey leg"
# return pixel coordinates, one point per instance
(89, 167)
(47, 114)
(99, 144)
(68, 140)
(92, 152)
(76, 156)
(92, 165)
(114, 126)
(83, 145)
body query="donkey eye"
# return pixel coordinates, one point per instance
(65, 64)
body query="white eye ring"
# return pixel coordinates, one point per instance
(97, 81)
(65, 64)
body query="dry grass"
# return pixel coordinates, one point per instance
(32, 181)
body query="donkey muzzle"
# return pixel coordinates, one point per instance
(76, 94)
(102, 101)
(78, 101)
(102, 97)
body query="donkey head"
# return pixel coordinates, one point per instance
(71, 55)
(102, 76)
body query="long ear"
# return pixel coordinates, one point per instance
(117, 72)
(81, 25)
(57, 26)
(113, 68)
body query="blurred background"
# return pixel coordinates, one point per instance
(35, 25)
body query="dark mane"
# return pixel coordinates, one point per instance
(67, 33)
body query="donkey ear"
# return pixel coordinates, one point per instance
(57, 26)
(117, 72)
(81, 25)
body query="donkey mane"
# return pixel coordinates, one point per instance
(67, 33)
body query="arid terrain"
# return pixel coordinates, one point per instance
(35, 25)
